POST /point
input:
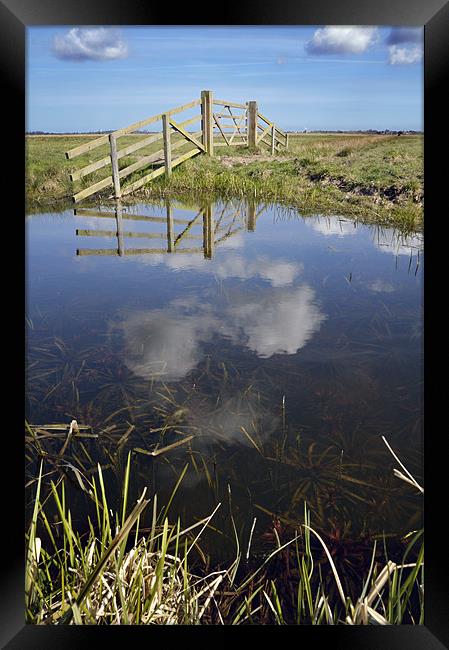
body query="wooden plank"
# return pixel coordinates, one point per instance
(273, 139)
(218, 226)
(221, 130)
(132, 234)
(280, 142)
(142, 181)
(251, 215)
(187, 135)
(231, 144)
(156, 118)
(85, 212)
(158, 172)
(170, 229)
(197, 249)
(135, 251)
(267, 130)
(191, 121)
(206, 123)
(181, 159)
(106, 182)
(208, 230)
(222, 102)
(128, 129)
(265, 119)
(88, 146)
(139, 145)
(120, 154)
(97, 251)
(229, 234)
(281, 131)
(237, 125)
(230, 115)
(143, 162)
(263, 141)
(185, 233)
(167, 144)
(125, 233)
(91, 168)
(120, 238)
(114, 165)
(252, 124)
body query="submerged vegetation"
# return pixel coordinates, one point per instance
(207, 477)
(119, 572)
(378, 179)
(107, 544)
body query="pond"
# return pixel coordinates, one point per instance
(277, 348)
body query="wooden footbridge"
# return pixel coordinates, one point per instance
(210, 227)
(220, 123)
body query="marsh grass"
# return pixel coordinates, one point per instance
(122, 573)
(376, 178)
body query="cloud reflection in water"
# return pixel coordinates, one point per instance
(168, 342)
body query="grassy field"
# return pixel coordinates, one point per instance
(376, 178)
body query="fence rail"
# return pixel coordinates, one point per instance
(216, 227)
(232, 124)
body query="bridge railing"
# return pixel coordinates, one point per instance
(219, 123)
(209, 227)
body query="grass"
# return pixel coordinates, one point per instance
(121, 573)
(378, 179)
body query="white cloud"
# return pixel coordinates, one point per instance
(405, 55)
(282, 322)
(342, 40)
(97, 43)
(238, 410)
(278, 273)
(380, 286)
(168, 342)
(332, 226)
(390, 241)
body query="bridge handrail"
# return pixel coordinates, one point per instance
(104, 139)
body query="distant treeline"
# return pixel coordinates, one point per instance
(367, 131)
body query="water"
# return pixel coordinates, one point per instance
(286, 346)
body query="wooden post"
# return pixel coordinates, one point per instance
(208, 234)
(114, 164)
(167, 144)
(119, 218)
(252, 124)
(286, 140)
(251, 215)
(207, 121)
(170, 233)
(273, 139)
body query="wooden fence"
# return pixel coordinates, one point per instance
(215, 228)
(220, 123)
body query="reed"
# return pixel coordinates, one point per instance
(122, 573)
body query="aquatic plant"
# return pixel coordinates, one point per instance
(114, 575)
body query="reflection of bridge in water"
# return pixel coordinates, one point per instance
(217, 226)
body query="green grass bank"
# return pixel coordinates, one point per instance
(374, 178)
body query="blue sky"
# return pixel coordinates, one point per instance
(323, 77)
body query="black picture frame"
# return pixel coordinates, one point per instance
(15, 16)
